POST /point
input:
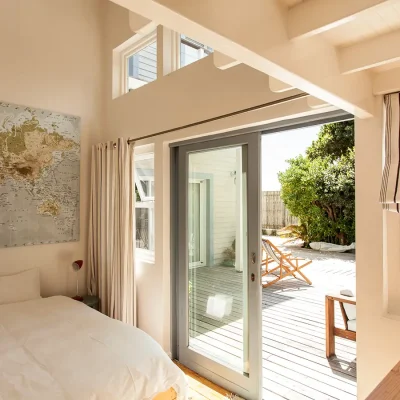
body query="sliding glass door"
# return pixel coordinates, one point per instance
(219, 291)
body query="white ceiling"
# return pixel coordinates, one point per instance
(375, 21)
(386, 67)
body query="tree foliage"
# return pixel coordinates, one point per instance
(319, 187)
(334, 141)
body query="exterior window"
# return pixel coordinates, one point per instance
(141, 63)
(192, 51)
(144, 183)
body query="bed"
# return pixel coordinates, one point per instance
(58, 348)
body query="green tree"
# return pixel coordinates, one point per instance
(334, 140)
(319, 188)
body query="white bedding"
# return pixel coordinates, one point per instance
(58, 348)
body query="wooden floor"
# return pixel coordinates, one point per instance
(202, 389)
(294, 363)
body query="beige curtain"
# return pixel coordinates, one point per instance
(111, 230)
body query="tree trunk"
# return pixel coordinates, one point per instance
(342, 238)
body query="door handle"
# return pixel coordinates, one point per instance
(253, 261)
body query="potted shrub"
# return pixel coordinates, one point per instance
(230, 255)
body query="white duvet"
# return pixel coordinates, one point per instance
(58, 348)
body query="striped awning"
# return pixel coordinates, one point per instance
(390, 190)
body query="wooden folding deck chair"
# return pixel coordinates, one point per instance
(285, 264)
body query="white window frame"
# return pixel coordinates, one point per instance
(139, 44)
(200, 47)
(143, 196)
(203, 229)
(146, 202)
(147, 254)
(168, 54)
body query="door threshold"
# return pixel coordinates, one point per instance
(201, 388)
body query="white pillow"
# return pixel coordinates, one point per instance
(20, 287)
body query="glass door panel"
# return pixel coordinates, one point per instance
(218, 325)
(219, 289)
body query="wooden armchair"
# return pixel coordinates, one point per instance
(348, 309)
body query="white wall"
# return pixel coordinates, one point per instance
(51, 58)
(378, 260)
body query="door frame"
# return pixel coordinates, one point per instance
(249, 386)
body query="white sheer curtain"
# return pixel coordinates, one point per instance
(111, 230)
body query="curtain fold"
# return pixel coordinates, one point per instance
(390, 189)
(111, 230)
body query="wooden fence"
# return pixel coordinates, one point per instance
(274, 213)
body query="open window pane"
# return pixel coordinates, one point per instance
(144, 234)
(192, 51)
(142, 66)
(144, 179)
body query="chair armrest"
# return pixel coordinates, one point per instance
(342, 299)
(293, 258)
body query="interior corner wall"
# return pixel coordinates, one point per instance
(52, 58)
(378, 346)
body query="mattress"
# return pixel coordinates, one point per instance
(58, 348)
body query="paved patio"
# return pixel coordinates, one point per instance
(293, 313)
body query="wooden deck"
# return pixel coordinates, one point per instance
(293, 318)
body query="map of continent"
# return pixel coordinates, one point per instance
(39, 176)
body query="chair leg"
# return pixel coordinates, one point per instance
(265, 285)
(304, 277)
(281, 276)
(329, 326)
(297, 268)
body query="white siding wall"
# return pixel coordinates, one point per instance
(220, 164)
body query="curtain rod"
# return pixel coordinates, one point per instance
(204, 121)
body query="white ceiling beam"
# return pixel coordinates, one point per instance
(222, 61)
(315, 103)
(309, 65)
(387, 82)
(315, 65)
(244, 19)
(370, 53)
(278, 86)
(315, 16)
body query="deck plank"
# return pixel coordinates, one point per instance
(293, 337)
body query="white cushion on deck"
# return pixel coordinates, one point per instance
(350, 310)
(351, 325)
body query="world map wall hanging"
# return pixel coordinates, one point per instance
(39, 176)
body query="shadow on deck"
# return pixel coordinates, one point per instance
(293, 330)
